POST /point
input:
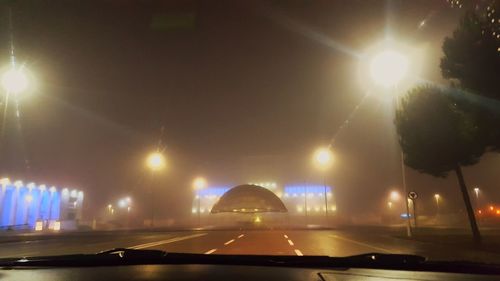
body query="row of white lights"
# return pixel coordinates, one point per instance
(122, 203)
(309, 194)
(317, 209)
(264, 184)
(6, 181)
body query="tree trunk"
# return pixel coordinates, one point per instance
(468, 205)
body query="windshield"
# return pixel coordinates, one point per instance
(251, 127)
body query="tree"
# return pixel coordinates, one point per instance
(472, 60)
(437, 136)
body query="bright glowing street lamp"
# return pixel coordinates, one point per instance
(155, 161)
(14, 80)
(323, 159)
(437, 197)
(476, 191)
(395, 196)
(122, 203)
(388, 68)
(198, 184)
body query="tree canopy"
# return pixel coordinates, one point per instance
(438, 136)
(435, 134)
(471, 56)
(472, 61)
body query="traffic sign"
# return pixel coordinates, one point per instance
(412, 195)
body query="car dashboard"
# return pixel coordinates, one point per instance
(197, 272)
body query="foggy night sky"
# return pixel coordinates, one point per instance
(241, 94)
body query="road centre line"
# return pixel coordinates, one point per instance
(290, 242)
(241, 235)
(161, 242)
(211, 251)
(229, 242)
(298, 252)
(286, 236)
(362, 244)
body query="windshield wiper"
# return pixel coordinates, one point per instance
(131, 256)
(124, 256)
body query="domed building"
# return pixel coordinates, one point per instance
(249, 199)
(264, 202)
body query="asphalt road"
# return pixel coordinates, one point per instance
(271, 242)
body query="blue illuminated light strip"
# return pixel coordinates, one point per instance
(212, 191)
(55, 206)
(21, 206)
(7, 206)
(24, 205)
(45, 205)
(311, 188)
(33, 207)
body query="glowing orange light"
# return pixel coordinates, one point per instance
(480, 212)
(498, 212)
(491, 208)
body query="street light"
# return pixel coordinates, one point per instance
(198, 184)
(395, 195)
(122, 203)
(437, 197)
(323, 159)
(389, 67)
(14, 80)
(155, 161)
(476, 190)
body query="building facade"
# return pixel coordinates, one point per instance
(38, 207)
(305, 202)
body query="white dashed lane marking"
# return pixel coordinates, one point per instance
(286, 236)
(361, 243)
(290, 242)
(229, 242)
(211, 251)
(298, 252)
(161, 242)
(241, 235)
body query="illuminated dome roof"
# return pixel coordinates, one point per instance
(249, 199)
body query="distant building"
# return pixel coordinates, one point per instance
(292, 195)
(38, 207)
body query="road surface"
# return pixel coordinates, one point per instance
(269, 242)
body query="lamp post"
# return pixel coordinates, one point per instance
(14, 81)
(155, 162)
(437, 197)
(476, 191)
(323, 159)
(198, 184)
(388, 68)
